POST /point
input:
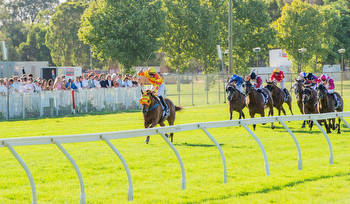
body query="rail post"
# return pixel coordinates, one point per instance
(77, 170)
(331, 160)
(126, 167)
(220, 150)
(267, 169)
(300, 160)
(183, 177)
(26, 169)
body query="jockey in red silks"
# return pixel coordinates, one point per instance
(256, 80)
(257, 83)
(278, 76)
(157, 85)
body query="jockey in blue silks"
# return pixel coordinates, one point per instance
(238, 80)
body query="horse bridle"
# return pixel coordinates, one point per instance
(307, 94)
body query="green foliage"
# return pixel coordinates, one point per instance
(23, 10)
(34, 49)
(65, 47)
(126, 31)
(194, 29)
(301, 25)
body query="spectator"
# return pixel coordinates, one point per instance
(97, 82)
(78, 82)
(37, 86)
(91, 81)
(58, 85)
(109, 81)
(53, 75)
(3, 87)
(103, 81)
(50, 84)
(85, 82)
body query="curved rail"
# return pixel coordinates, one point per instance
(26, 169)
(126, 167)
(267, 169)
(331, 160)
(77, 170)
(221, 153)
(183, 177)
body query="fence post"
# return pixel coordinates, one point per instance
(80, 177)
(126, 167)
(192, 89)
(220, 150)
(327, 138)
(219, 86)
(207, 87)
(300, 160)
(23, 109)
(183, 177)
(26, 169)
(267, 169)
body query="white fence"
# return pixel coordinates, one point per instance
(61, 103)
(106, 137)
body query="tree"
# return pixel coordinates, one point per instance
(34, 49)
(300, 26)
(194, 29)
(65, 47)
(251, 28)
(126, 31)
(23, 10)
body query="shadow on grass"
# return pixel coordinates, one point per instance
(277, 188)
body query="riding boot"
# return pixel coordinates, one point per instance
(166, 109)
(286, 94)
(264, 95)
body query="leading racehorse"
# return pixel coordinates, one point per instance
(309, 100)
(236, 100)
(153, 112)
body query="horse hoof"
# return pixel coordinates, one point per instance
(147, 140)
(273, 127)
(303, 126)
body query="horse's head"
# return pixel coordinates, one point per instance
(230, 90)
(270, 85)
(321, 91)
(146, 100)
(248, 87)
(299, 85)
(307, 94)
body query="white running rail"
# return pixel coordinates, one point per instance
(106, 137)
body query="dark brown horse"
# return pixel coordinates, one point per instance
(309, 100)
(236, 100)
(255, 101)
(299, 96)
(152, 111)
(328, 104)
(278, 97)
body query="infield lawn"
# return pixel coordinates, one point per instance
(156, 172)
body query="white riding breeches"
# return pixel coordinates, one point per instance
(330, 91)
(161, 90)
(239, 88)
(282, 84)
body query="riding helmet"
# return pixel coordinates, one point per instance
(253, 75)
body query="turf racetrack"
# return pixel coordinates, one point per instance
(156, 173)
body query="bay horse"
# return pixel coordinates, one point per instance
(299, 96)
(255, 102)
(236, 100)
(328, 104)
(152, 112)
(309, 100)
(278, 97)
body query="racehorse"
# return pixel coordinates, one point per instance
(309, 100)
(236, 100)
(299, 95)
(255, 102)
(278, 97)
(327, 104)
(152, 112)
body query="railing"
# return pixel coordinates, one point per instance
(106, 137)
(62, 103)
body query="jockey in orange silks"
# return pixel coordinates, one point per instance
(157, 85)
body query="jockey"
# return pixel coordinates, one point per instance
(157, 85)
(238, 80)
(302, 76)
(327, 82)
(257, 82)
(278, 76)
(311, 79)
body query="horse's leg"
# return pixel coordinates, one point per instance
(271, 114)
(304, 124)
(333, 123)
(162, 124)
(171, 121)
(231, 115)
(290, 107)
(327, 126)
(284, 112)
(252, 116)
(243, 114)
(147, 125)
(339, 120)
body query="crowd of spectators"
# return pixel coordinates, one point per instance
(29, 84)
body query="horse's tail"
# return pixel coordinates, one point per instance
(178, 108)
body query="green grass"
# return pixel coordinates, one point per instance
(156, 172)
